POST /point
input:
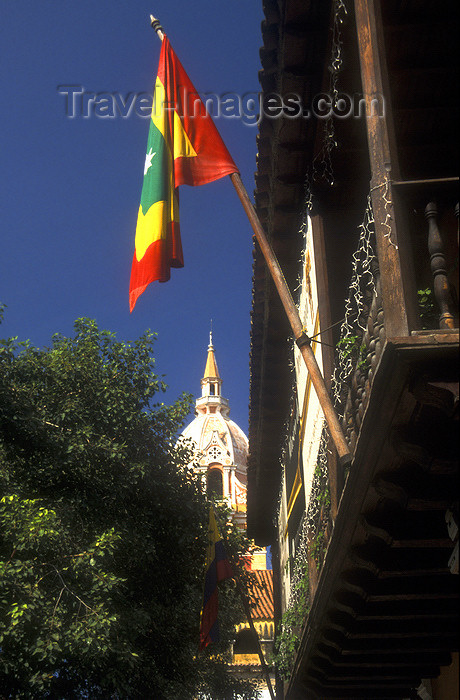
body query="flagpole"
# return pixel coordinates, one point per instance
(247, 610)
(301, 338)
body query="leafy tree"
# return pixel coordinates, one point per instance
(102, 529)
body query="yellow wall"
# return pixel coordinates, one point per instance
(259, 559)
(445, 686)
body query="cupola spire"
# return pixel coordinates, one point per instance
(211, 371)
(211, 399)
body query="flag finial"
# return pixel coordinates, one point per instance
(155, 23)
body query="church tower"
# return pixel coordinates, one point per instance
(221, 446)
(221, 452)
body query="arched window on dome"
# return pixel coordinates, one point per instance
(246, 642)
(214, 483)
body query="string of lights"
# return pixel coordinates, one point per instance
(308, 528)
(362, 288)
(321, 167)
(386, 196)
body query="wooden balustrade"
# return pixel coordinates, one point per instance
(373, 338)
(411, 195)
(372, 343)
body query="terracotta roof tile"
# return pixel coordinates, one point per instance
(262, 594)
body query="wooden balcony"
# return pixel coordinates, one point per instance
(384, 608)
(432, 306)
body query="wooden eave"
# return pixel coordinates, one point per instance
(295, 36)
(385, 613)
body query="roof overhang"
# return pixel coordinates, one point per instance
(385, 612)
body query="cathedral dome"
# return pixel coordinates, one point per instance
(218, 439)
(220, 446)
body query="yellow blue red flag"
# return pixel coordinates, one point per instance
(217, 569)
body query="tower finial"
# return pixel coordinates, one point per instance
(211, 400)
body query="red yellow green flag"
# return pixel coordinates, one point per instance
(183, 148)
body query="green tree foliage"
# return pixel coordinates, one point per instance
(102, 529)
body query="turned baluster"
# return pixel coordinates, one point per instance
(438, 268)
(456, 214)
(355, 398)
(348, 422)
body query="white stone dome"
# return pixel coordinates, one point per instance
(218, 440)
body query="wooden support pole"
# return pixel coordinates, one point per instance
(247, 610)
(302, 340)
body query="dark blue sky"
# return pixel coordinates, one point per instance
(71, 187)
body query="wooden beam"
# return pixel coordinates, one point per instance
(393, 247)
